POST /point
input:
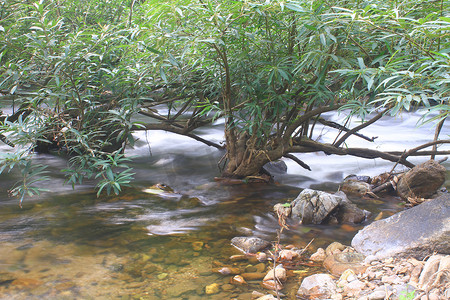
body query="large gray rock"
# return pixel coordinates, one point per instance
(417, 232)
(422, 181)
(314, 207)
(317, 207)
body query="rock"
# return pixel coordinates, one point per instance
(229, 271)
(319, 255)
(279, 272)
(338, 263)
(261, 256)
(377, 295)
(250, 244)
(430, 267)
(238, 280)
(266, 297)
(313, 207)
(211, 289)
(348, 275)
(253, 276)
(197, 246)
(278, 167)
(334, 248)
(422, 181)
(350, 213)
(417, 232)
(354, 287)
(355, 187)
(287, 254)
(318, 286)
(238, 257)
(271, 285)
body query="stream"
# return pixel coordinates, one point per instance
(70, 244)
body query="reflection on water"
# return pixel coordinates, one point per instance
(72, 245)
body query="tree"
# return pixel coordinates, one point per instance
(269, 68)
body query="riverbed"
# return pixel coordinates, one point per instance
(70, 244)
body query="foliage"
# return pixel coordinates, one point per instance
(81, 69)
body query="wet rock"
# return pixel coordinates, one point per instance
(250, 244)
(253, 276)
(261, 256)
(276, 167)
(334, 248)
(6, 278)
(278, 272)
(197, 246)
(211, 289)
(350, 213)
(313, 207)
(422, 181)
(228, 271)
(416, 232)
(336, 264)
(288, 254)
(238, 280)
(238, 257)
(29, 283)
(355, 187)
(319, 255)
(271, 285)
(318, 286)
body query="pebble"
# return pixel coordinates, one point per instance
(211, 289)
(279, 273)
(319, 255)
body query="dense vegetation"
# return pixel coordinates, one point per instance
(78, 70)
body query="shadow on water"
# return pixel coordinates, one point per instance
(69, 244)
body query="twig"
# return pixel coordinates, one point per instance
(436, 135)
(363, 125)
(306, 247)
(300, 162)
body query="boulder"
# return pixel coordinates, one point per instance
(422, 181)
(314, 207)
(250, 244)
(317, 207)
(417, 232)
(350, 213)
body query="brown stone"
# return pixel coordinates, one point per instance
(422, 181)
(253, 276)
(336, 264)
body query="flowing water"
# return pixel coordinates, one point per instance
(69, 244)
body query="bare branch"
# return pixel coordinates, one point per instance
(343, 128)
(300, 162)
(436, 135)
(305, 146)
(170, 128)
(357, 128)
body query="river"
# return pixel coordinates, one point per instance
(69, 244)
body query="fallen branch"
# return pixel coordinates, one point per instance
(305, 146)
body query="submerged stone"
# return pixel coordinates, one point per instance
(250, 244)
